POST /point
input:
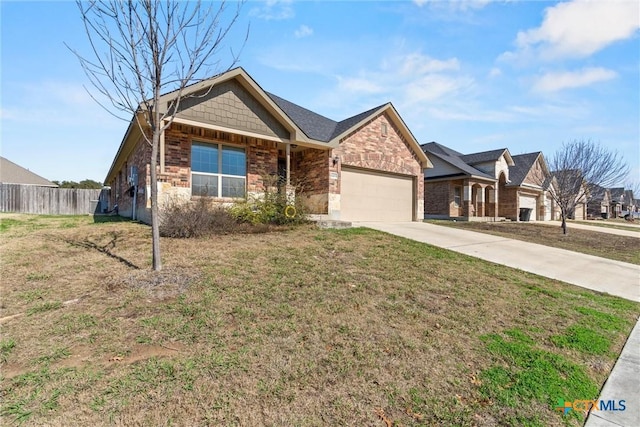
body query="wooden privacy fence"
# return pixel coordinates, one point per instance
(50, 200)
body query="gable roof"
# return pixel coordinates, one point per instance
(617, 194)
(465, 162)
(599, 193)
(523, 164)
(11, 173)
(305, 126)
(487, 156)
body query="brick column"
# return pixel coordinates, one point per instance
(480, 201)
(466, 200)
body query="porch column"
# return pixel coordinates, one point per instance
(495, 203)
(466, 200)
(288, 151)
(480, 202)
(162, 123)
(289, 191)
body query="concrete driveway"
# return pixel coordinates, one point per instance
(599, 274)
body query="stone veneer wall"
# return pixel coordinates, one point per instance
(367, 147)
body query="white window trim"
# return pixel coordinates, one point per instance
(219, 175)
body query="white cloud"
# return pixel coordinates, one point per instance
(553, 82)
(409, 79)
(58, 103)
(579, 28)
(360, 85)
(435, 86)
(303, 31)
(495, 72)
(416, 64)
(273, 10)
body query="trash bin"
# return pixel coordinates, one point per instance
(525, 214)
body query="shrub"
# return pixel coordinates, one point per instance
(271, 207)
(196, 219)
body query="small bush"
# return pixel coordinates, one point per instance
(203, 217)
(272, 207)
(196, 219)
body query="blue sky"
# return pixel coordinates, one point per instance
(474, 75)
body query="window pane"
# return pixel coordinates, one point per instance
(232, 187)
(234, 161)
(204, 158)
(204, 185)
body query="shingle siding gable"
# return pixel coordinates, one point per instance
(228, 104)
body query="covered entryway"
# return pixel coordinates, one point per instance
(375, 196)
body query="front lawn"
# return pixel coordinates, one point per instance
(300, 327)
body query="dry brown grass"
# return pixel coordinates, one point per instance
(300, 327)
(619, 248)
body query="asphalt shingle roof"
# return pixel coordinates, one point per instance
(314, 125)
(522, 165)
(617, 193)
(482, 157)
(11, 173)
(454, 158)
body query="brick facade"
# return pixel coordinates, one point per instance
(507, 202)
(439, 198)
(379, 145)
(230, 113)
(310, 175)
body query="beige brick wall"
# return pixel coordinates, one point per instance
(368, 148)
(310, 174)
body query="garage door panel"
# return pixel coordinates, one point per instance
(373, 196)
(528, 202)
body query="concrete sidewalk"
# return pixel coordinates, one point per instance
(599, 274)
(622, 384)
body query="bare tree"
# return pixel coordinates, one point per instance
(579, 167)
(144, 48)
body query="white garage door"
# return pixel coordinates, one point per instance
(528, 202)
(374, 196)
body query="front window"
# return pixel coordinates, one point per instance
(457, 195)
(218, 170)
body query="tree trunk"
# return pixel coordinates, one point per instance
(564, 223)
(155, 220)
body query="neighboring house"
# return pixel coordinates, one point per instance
(528, 196)
(570, 184)
(599, 202)
(466, 186)
(629, 205)
(229, 134)
(11, 173)
(617, 202)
